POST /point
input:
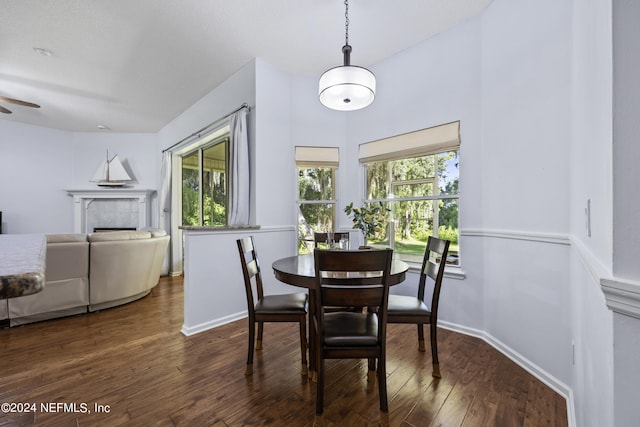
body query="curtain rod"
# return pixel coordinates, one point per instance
(244, 105)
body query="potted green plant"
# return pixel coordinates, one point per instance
(368, 219)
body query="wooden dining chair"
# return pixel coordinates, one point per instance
(349, 335)
(414, 310)
(323, 238)
(269, 308)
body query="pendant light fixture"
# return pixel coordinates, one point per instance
(348, 87)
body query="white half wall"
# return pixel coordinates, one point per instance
(214, 291)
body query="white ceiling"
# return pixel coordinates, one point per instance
(134, 65)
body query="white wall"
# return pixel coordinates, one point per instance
(591, 179)
(525, 138)
(626, 149)
(273, 151)
(591, 169)
(525, 115)
(36, 164)
(626, 205)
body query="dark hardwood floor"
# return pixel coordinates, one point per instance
(131, 366)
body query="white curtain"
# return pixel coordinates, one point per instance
(164, 199)
(238, 213)
(164, 204)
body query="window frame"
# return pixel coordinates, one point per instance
(429, 141)
(392, 198)
(200, 149)
(313, 157)
(203, 142)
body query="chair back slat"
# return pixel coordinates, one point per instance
(431, 269)
(353, 278)
(352, 296)
(438, 246)
(368, 261)
(250, 272)
(252, 268)
(433, 264)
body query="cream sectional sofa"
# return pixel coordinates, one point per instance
(93, 272)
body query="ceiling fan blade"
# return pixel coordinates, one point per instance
(19, 102)
(4, 110)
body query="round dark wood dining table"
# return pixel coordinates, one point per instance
(300, 271)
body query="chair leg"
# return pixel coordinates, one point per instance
(312, 335)
(303, 344)
(371, 373)
(319, 387)
(434, 352)
(260, 331)
(382, 385)
(252, 335)
(421, 337)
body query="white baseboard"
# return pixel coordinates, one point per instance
(192, 330)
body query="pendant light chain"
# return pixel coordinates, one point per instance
(346, 22)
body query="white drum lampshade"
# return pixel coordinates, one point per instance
(347, 88)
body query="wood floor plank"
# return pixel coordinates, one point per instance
(134, 361)
(543, 409)
(483, 409)
(454, 354)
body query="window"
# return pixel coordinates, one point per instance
(316, 193)
(205, 184)
(416, 177)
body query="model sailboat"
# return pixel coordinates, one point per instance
(111, 173)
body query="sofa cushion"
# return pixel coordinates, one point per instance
(110, 236)
(125, 268)
(66, 238)
(67, 260)
(155, 232)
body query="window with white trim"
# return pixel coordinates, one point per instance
(202, 179)
(416, 177)
(316, 199)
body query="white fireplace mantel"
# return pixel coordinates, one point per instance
(83, 198)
